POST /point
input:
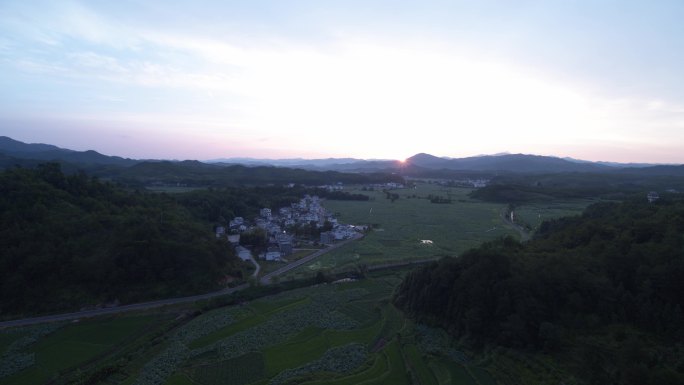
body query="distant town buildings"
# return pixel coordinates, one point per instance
(280, 223)
(220, 231)
(272, 254)
(284, 242)
(234, 239)
(327, 238)
(467, 182)
(265, 213)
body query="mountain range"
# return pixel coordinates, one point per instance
(426, 163)
(15, 152)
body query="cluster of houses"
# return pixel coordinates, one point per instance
(466, 182)
(340, 232)
(385, 186)
(308, 211)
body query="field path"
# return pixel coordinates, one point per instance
(256, 264)
(524, 234)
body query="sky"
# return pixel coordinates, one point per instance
(594, 79)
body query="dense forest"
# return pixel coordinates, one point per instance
(519, 188)
(72, 241)
(194, 173)
(603, 292)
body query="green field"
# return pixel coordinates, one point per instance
(285, 338)
(531, 215)
(400, 226)
(77, 344)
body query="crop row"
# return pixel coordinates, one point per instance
(320, 312)
(435, 341)
(238, 371)
(209, 323)
(341, 360)
(163, 365)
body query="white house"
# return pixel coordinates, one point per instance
(327, 238)
(220, 231)
(272, 254)
(234, 239)
(265, 213)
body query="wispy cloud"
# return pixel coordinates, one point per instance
(297, 91)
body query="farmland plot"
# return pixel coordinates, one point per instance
(400, 226)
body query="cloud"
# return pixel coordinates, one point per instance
(374, 95)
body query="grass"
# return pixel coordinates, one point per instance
(440, 372)
(482, 376)
(295, 353)
(271, 266)
(397, 373)
(300, 254)
(364, 335)
(390, 360)
(77, 344)
(379, 367)
(532, 215)
(361, 311)
(459, 374)
(262, 311)
(311, 343)
(420, 368)
(400, 226)
(179, 379)
(6, 339)
(268, 306)
(241, 370)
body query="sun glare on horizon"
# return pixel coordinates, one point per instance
(333, 87)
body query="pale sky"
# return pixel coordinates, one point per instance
(595, 80)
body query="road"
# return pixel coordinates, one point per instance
(171, 301)
(266, 279)
(524, 234)
(119, 309)
(256, 265)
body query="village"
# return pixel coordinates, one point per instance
(279, 225)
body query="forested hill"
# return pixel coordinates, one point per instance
(194, 173)
(604, 291)
(70, 241)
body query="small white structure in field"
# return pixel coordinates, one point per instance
(652, 196)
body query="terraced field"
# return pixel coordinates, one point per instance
(347, 333)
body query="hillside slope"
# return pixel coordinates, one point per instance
(603, 293)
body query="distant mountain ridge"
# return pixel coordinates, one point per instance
(505, 162)
(47, 152)
(419, 165)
